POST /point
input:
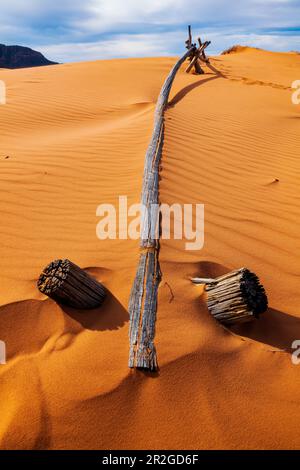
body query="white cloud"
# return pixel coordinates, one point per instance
(90, 29)
(154, 45)
(124, 45)
(107, 14)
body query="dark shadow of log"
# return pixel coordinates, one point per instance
(110, 316)
(182, 93)
(275, 328)
(209, 269)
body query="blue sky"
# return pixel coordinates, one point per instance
(72, 30)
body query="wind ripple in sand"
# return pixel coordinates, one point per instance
(76, 135)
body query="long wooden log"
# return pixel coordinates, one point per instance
(143, 297)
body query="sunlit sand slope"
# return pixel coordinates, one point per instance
(74, 136)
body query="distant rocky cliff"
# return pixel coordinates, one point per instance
(15, 57)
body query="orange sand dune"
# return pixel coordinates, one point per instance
(76, 136)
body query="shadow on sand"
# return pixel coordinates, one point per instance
(110, 316)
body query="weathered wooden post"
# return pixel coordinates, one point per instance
(198, 54)
(66, 283)
(202, 56)
(235, 297)
(143, 297)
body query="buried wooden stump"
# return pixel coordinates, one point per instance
(68, 284)
(235, 297)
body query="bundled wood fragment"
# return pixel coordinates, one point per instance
(66, 283)
(235, 297)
